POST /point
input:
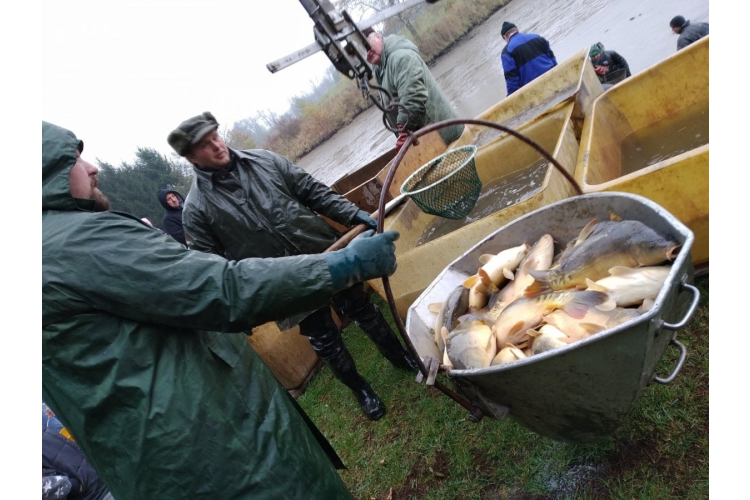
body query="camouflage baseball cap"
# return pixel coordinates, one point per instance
(191, 131)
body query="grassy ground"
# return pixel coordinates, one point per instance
(425, 446)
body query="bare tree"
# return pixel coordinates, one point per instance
(362, 9)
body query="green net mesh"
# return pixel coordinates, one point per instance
(448, 186)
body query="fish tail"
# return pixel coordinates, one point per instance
(583, 301)
(540, 284)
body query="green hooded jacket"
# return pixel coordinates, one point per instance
(162, 405)
(406, 76)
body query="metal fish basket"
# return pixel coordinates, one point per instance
(447, 186)
(584, 391)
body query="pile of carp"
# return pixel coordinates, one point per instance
(525, 300)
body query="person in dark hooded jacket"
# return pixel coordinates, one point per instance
(256, 203)
(689, 32)
(172, 202)
(144, 357)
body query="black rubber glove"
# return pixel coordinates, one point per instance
(363, 217)
(367, 257)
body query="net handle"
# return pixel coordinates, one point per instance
(476, 412)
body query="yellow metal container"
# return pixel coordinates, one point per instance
(419, 264)
(639, 106)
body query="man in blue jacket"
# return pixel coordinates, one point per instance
(525, 57)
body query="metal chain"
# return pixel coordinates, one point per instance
(392, 104)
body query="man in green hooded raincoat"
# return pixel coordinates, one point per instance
(163, 406)
(399, 68)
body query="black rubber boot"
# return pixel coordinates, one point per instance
(326, 341)
(379, 331)
(342, 366)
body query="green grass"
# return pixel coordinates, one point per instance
(425, 446)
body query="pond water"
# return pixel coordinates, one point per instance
(671, 136)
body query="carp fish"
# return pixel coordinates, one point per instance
(471, 345)
(594, 321)
(539, 258)
(494, 271)
(630, 286)
(507, 354)
(455, 305)
(547, 338)
(601, 246)
(529, 312)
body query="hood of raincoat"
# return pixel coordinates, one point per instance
(161, 195)
(58, 157)
(403, 72)
(134, 366)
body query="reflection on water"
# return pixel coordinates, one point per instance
(496, 195)
(671, 136)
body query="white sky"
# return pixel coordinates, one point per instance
(122, 75)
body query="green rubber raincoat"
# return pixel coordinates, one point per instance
(162, 405)
(406, 76)
(263, 205)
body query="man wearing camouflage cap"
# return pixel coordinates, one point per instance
(256, 203)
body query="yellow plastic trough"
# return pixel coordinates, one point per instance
(573, 80)
(418, 265)
(640, 103)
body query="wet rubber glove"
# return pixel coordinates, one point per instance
(367, 257)
(363, 217)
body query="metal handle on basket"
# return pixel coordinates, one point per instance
(676, 326)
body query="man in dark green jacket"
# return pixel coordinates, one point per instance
(162, 405)
(256, 203)
(399, 68)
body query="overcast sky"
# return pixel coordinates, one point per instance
(122, 75)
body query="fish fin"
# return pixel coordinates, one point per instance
(435, 307)
(592, 328)
(471, 317)
(614, 216)
(516, 328)
(508, 273)
(485, 258)
(540, 284)
(470, 281)
(608, 305)
(593, 285)
(578, 306)
(621, 271)
(586, 231)
(484, 277)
